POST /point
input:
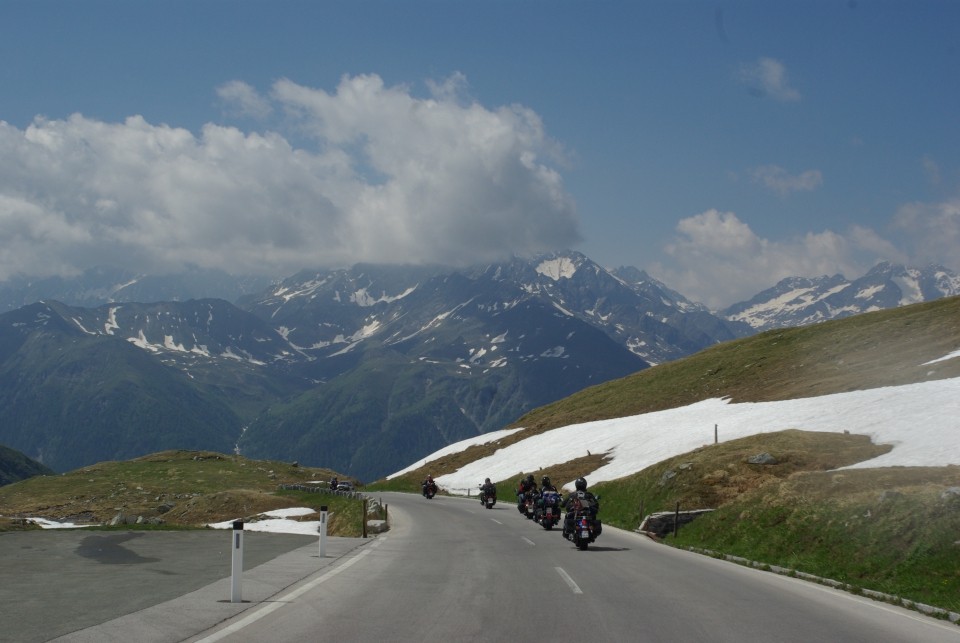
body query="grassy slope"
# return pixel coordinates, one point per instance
(892, 530)
(197, 487)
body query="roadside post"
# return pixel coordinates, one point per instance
(364, 526)
(322, 528)
(676, 520)
(236, 575)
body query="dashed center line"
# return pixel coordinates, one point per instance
(528, 541)
(496, 521)
(569, 581)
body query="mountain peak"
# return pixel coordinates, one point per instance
(798, 301)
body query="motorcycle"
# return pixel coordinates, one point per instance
(522, 502)
(487, 500)
(583, 528)
(429, 490)
(548, 510)
(527, 504)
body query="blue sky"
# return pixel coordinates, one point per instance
(721, 146)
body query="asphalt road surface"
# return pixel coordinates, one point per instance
(142, 586)
(449, 570)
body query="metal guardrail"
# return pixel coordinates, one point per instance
(312, 488)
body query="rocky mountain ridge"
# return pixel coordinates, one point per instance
(799, 301)
(356, 369)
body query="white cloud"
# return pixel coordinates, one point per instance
(391, 178)
(244, 99)
(931, 230)
(783, 183)
(718, 260)
(767, 77)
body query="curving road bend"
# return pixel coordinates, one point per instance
(451, 570)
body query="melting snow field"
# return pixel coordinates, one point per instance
(921, 421)
(279, 521)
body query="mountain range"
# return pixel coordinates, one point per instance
(799, 301)
(361, 370)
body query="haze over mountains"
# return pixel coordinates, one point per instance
(361, 370)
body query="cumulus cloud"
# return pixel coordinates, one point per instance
(718, 260)
(387, 177)
(775, 178)
(767, 77)
(244, 100)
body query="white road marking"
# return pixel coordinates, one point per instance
(569, 581)
(528, 541)
(496, 521)
(287, 598)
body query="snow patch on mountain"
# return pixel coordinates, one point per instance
(556, 351)
(485, 438)
(230, 354)
(364, 299)
(171, 345)
(140, 341)
(799, 301)
(919, 420)
(557, 269)
(111, 323)
(952, 355)
(910, 288)
(80, 325)
(304, 289)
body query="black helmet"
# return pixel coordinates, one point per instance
(487, 481)
(530, 478)
(545, 481)
(580, 484)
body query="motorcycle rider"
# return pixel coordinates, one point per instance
(488, 489)
(587, 501)
(545, 485)
(428, 483)
(526, 486)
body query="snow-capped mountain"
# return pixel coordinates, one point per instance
(356, 369)
(184, 332)
(363, 368)
(329, 313)
(798, 301)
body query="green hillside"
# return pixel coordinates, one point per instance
(175, 489)
(892, 530)
(884, 348)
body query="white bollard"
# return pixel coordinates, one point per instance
(236, 575)
(322, 528)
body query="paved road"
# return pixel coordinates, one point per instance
(449, 570)
(162, 585)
